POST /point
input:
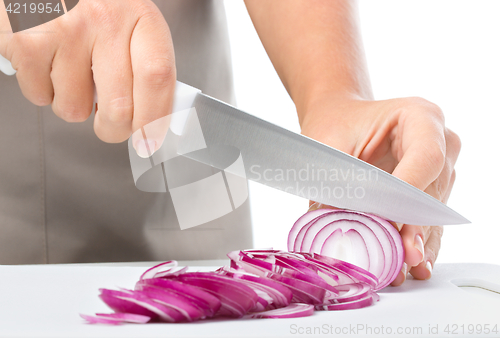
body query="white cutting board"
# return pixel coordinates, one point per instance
(44, 301)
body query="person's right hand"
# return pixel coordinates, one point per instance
(124, 46)
(406, 137)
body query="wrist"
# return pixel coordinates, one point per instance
(333, 103)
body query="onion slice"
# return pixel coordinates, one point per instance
(151, 272)
(115, 318)
(294, 310)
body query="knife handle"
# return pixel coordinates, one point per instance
(6, 66)
(184, 96)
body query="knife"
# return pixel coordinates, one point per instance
(241, 146)
(237, 145)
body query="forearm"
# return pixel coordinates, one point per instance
(316, 48)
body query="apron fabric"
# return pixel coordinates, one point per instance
(67, 197)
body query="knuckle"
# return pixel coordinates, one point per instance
(119, 111)
(454, 141)
(71, 113)
(41, 99)
(100, 10)
(107, 15)
(453, 177)
(158, 73)
(145, 7)
(436, 157)
(419, 104)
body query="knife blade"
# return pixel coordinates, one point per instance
(296, 164)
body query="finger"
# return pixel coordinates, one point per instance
(114, 83)
(414, 237)
(32, 58)
(439, 188)
(450, 187)
(153, 65)
(401, 277)
(432, 246)
(413, 242)
(73, 83)
(412, 253)
(432, 243)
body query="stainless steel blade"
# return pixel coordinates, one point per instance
(304, 167)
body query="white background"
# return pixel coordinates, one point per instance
(445, 51)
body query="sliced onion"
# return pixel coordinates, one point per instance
(116, 318)
(272, 283)
(151, 272)
(278, 295)
(208, 303)
(176, 301)
(236, 298)
(354, 304)
(346, 272)
(294, 310)
(350, 292)
(136, 303)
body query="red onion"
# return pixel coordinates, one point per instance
(367, 241)
(291, 311)
(116, 318)
(339, 259)
(201, 299)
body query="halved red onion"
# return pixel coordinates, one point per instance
(367, 241)
(294, 310)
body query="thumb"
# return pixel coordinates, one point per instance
(423, 149)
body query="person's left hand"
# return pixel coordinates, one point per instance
(406, 137)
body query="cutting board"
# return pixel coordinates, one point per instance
(44, 301)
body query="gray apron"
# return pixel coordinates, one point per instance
(65, 196)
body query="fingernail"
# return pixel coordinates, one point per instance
(419, 245)
(404, 270)
(145, 148)
(428, 266)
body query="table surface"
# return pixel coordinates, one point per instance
(46, 300)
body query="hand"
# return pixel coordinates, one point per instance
(123, 46)
(406, 137)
